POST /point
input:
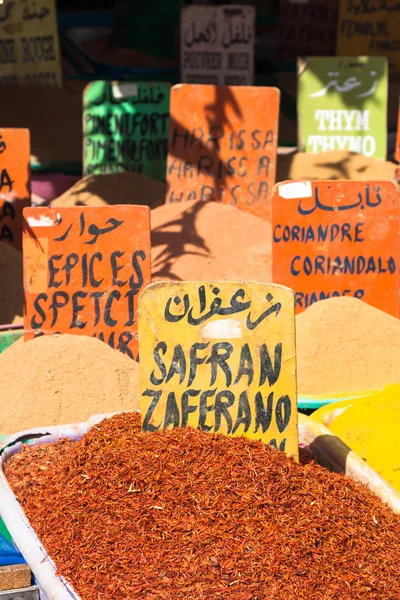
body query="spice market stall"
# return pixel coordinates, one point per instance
(101, 509)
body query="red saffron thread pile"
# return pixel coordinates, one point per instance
(184, 514)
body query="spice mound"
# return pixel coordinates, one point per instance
(113, 188)
(336, 164)
(209, 240)
(184, 514)
(344, 346)
(59, 379)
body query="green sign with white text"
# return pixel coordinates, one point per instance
(125, 127)
(342, 104)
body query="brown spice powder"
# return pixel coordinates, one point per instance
(346, 346)
(61, 379)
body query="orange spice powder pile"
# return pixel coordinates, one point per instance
(186, 514)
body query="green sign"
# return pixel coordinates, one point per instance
(125, 127)
(342, 104)
(151, 27)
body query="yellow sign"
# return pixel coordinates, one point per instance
(29, 47)
(369, 28)
(220, 356)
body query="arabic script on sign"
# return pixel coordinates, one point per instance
(236, 306)
(364, 199)
(351, 83)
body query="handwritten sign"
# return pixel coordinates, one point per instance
(125, 127)
(29, 46)
(83, 271)
(15, 193)
(217, 44)
(342, 104)
(370, 27)
(220, 356)
(337, 238)
(222, 145)
(307, 28)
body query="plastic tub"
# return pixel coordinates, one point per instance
(369, 425)
(327, 448)
(312, 403)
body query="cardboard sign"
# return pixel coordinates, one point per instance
(217, 44)
(370, 27)
(83, 271)
(15, 192)
(337, 238)
(222, 145)
(29, 46)
(307, 28)
(342, 104)
(125, 127)
(151, 28)
(220, 356)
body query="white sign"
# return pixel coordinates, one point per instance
(217, 44)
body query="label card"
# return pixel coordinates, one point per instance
(307, 28)
(15, 192)
(369, 27)
(83, 271)
(29, 45)
(223, 145)
(217, 44)
(220, 356)
(337, 238)
(342, 104)
(125, 127)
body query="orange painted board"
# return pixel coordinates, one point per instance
(15, 187)
(337, 238)
(223, 145)
(83, 271)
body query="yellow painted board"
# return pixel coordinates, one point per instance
(220, 356)
(29, 44)
(369, 29)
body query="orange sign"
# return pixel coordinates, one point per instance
(83, 271)
(15, 192)
(223, 144)
(337, 238)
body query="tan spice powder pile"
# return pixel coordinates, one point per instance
(337, 164)
(183, 514)
(114, 188)
(11, 288)
(63, 379)
(345, 345)
(209, 240)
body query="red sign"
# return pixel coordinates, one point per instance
(223, 144)
(83, 271)
(15, 193)
(337, 238)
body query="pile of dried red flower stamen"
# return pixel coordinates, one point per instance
(185, 514)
